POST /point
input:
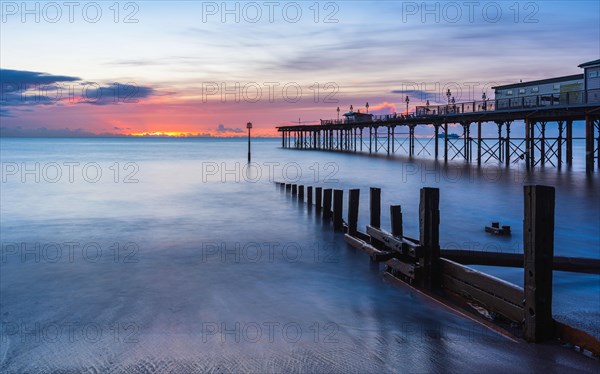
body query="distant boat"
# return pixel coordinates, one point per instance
(450, 136)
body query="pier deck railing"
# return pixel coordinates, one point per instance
(559, 99)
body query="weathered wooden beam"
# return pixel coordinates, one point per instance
(429, 234)
(577, 337)
(400, 245)
(538, 246)
(309, 196)
(508, 291)
(338, 201)
(407, 270)
(375, 254)
(353, 201)
(327, 199)
(396, 220)
(294, 189)
(491, 303)
(288, 187)
(515, 260)
(301, 193)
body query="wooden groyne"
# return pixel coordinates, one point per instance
(421, 265)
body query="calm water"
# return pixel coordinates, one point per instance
(154, 255)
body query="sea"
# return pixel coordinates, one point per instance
(176, 255)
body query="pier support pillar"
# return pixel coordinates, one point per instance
(411, 135)
(388, 139)
(507, 148)
(446, 142)
(499, 140)
(436, 134)
(370, 139)
(589, 144)
(538, 248)
(466, 140)
(570, 142)
(559, 143)
(361, 139)
(393, 140)
(543, 143)
(529, 143)
(479, 142)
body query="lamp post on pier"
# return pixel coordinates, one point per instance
(249, 126)
(338, 112)
(367, 107)
(407, 100)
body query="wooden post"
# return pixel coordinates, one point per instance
(429, 235)
(353, 199)
(288, 187)
(338, 201)
(309, 196)
(301, 193)
(327, 203)
(396, 219)
(318, 197)
(538, 245)
(294, 189)
(375, 205)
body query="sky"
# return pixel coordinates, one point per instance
(207, 68)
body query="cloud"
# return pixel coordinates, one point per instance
(20, 77)
(383, 108)
(115, 93)
(221, 129)
(27, 88)
(18, 131)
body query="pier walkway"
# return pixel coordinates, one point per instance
(395, 133)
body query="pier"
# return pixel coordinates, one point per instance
(395, 133)
(420, 265)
